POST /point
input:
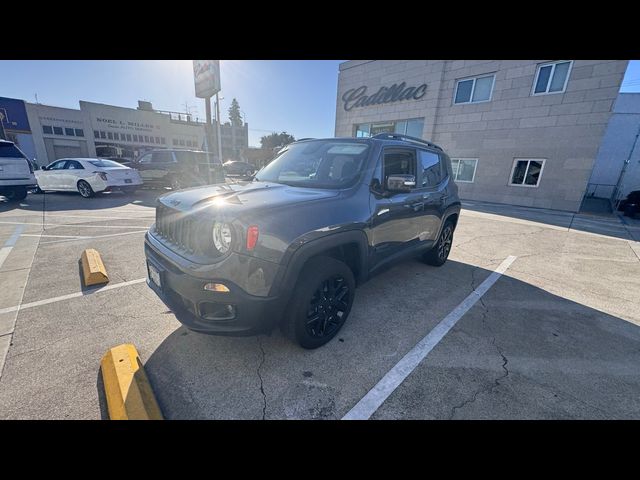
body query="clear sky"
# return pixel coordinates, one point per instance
(297, 96)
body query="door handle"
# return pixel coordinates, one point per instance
(415, 205)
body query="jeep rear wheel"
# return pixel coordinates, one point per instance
(16, 194)
(438, 255)
(320, 303)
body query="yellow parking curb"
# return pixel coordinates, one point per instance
(126, 386)
(92, 268)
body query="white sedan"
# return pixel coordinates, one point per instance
(87, 176)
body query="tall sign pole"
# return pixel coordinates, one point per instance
(206, 75)
(218, 127)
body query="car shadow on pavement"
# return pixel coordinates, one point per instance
(520, 353)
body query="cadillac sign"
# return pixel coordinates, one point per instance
(206, 74)
(357, 97)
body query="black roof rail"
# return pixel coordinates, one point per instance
(407, 138)
(303, 139)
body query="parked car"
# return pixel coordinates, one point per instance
(233, 167)
(16, 172)
(87, 176)
(178, 168)
(630, 205)
(288, 248)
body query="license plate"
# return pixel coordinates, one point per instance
(127, 180)
(154, 275)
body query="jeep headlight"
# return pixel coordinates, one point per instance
(222, 236)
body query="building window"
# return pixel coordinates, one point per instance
(464, 169)
(151, 140)
(47, 129)
(474, 90)
(412, 127)
(128, 137)
(146, 139)
(526, 172)
(135, 138)
(158, 140)
(110, 135)
(116, 136)
(69, 132)
(57, 130)
(96, 134)
(175, 142)
(163, 140)
(181, 142)
(551, 78)
(103, 134)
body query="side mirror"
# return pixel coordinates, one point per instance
(400, 183)
(44, 167)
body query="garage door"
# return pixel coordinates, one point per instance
(65, 151)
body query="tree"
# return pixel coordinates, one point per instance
(234, 114)
(276, 140)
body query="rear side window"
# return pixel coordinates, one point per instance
(9, 150)
(431, 166)
(161, 157)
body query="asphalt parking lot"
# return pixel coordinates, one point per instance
(557, 336)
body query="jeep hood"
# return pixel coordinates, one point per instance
(236, 198)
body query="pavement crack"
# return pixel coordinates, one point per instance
(264, 396)
(496, 382)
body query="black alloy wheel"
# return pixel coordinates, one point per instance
(328, 306)
(437, 256)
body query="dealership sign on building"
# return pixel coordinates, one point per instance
(206, 74)
(357, 97)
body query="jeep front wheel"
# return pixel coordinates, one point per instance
(321, 302)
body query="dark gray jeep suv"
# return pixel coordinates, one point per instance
(289, 247)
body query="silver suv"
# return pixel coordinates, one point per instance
(16, 172)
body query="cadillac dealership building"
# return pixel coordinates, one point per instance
(523, 132)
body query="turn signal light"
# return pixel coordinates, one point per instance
(216, 287)
(252, 237)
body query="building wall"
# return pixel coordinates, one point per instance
(617, 144)
(565, 129)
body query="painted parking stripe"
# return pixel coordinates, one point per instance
(70, 296)
(385, 387)
(82, 225)
(10, 243)
(74, 239)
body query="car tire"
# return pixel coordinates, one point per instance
(630, 210)
(85, 189)
(437, 256)
(16, 194)
(325, 290)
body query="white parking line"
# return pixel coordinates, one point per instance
(70, 296)
(9, 244)
(93, 237)
(368, 405)
(81, 225)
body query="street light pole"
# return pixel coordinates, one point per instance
(207, 135)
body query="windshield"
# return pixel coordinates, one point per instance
(105, 163)
(317, 164)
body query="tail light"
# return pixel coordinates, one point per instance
(102, 175)
(252, 237)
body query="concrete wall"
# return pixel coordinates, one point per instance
(617, 144)
(565, 128)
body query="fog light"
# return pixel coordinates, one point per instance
(216, 287)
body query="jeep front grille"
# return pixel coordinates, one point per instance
(182, 230)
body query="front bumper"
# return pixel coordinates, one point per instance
(199, 309)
